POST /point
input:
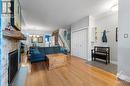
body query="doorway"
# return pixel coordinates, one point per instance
(47, 40)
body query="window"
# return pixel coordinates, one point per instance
(6, 7)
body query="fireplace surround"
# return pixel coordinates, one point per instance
(12, 66)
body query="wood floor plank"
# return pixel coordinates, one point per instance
(76, 73)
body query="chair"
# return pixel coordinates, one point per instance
(36, 56)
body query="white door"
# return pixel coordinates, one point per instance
(79, 42)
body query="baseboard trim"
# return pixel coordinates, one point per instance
(89, 59)
(79, 57)
(123, 77)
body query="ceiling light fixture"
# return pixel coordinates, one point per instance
(30, 35)
(34, 36)
(38, 36)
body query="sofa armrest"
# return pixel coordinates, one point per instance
(37, 56)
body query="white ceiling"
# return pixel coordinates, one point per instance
(51, 14)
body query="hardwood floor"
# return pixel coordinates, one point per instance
(75, 73)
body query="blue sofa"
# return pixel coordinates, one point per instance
(52, 50)
(39, 53)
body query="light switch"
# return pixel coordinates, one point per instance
(125, 35)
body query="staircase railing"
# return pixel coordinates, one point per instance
(64, 39)
(61, 43)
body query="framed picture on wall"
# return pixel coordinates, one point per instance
(40, 39)
(34, 39)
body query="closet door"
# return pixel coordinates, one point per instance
(79, 43)
(83, 43)
(74, 44)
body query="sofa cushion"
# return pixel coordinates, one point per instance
(37, 57)
(35, 51)
(42, 50)
(63, 50)
(56, 50)
(49, 50)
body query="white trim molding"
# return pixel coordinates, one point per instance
(89, 59)
(114, 62)
(123, 77)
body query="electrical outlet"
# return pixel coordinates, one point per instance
(125, 35)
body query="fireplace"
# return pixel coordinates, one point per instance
(12, 66)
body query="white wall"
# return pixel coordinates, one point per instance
(109, 22)
(124, 43)
(90, 36)
(82, 23)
